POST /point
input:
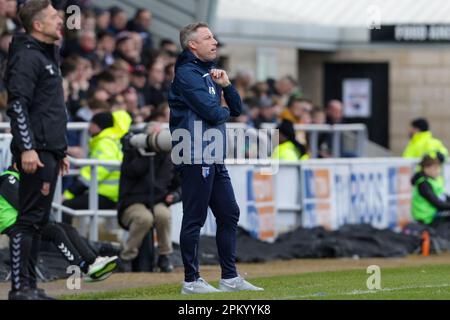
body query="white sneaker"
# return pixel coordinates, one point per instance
(197, 287)
(103, 277)
(237, 284)
(101, 268)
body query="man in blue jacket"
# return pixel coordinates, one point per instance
(197, 124)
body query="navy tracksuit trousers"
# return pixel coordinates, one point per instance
(203, 186)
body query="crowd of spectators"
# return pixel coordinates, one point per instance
(113, 62)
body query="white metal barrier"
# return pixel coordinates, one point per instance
(337, 132)
(93, 212)
(322, 192)
(5, 153)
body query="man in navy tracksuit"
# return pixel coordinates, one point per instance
(197, 124)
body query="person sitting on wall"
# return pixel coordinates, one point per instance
(430, 204)
(289, 148)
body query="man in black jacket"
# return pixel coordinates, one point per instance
(38, 123)
(135, 201)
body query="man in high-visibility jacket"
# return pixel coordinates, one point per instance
(422, 141)
(289, 148)
(106, 129)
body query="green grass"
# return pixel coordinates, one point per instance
(426, 282)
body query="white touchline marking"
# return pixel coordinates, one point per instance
(361, 292)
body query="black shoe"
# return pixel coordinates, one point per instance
(164, 263)
(24, 294)
(42, 295)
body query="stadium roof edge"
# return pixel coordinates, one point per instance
(308, 37)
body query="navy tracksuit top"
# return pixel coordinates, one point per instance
(194, 100)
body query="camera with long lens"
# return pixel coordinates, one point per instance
(153, 141)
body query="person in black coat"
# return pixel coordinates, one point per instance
(38, 116)
(135, 212)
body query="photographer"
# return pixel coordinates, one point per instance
(135, 200)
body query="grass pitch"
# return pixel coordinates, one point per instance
(424, 282)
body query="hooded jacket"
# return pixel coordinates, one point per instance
(35, 96)
(423, 143)
(104, 146)
(195, 106)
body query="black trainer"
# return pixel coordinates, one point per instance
(164, 263)
(42, 295)
(24, 294)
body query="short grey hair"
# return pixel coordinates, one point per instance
(188, 31)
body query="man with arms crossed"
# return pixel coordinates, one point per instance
(195, 102)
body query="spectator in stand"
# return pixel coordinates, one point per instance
(319, 116)
(12, 20)
(103, 20)
(83, 41)
(289, 148)
(138, 79)
(298, 111)
(156, 93)
(138, 44)
(132, 106)
(117, 102)
(105, 49)
(3, 27)
(5, 41)
(118, 20)
(334, 112)
(121, 71)
(141, 24)
(242, 82)
(87, 44)
(422, 141)
(267, 112)
(285, 88)
(126, 49)
(334, 115)
(261, 90)
(168, 52)
(169, 74)
(79, 84)
(106, 81)
(169, 47)
(88, 22)
(78, 72)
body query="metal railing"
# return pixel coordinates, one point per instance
(93, 212)
(338, 132)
